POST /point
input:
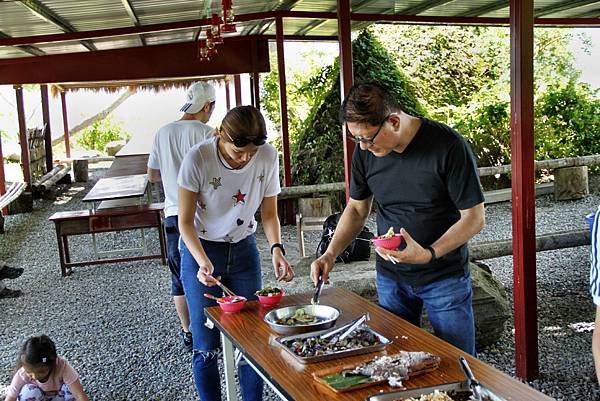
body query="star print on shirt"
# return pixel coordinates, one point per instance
(261, 177)
(202, 205)
(216, 182)
(239, 198)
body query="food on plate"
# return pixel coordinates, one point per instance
(269, 291)
(390, 233)
(300, 317)
(316, 346)
(230, 300)
(440, 396)
(398, 367)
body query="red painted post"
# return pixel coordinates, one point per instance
(346, 79)
(285, 134)
(63, 99)
(47, 132)
(237, 84)
(523, 194)
(23, 137)
(227, 96)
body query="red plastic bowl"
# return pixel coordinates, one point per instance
(232, 307)
(270, 301)
(388, 243)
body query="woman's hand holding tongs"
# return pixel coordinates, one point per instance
(283, 270)
(205, 274)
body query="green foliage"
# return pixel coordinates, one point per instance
(447, 64)
(100, 133)
(567, 122)
(318, 152)
(301, 93)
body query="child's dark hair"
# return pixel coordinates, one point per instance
(37, 352)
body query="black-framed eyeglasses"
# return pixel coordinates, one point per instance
(242, 142)
(367, 141)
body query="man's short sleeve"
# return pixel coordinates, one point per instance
(153, 159)
(359, 188)
(190, 176)
(462, 178)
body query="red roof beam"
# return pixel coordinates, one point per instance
(160, 61)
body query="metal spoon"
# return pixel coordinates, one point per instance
(474, 385)
(318, 288)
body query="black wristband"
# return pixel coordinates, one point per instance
(433, 255)
(278, 245)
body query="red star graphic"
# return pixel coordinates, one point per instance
(239, 197)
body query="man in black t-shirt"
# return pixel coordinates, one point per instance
(424, 179)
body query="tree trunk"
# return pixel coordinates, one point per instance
(571, 183)
(546, 242)
(95, 118)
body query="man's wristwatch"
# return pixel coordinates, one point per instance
(428, 247)
(278, 245)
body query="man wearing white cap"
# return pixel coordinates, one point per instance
(171, 144)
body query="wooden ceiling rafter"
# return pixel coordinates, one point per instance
(134, 18)
(51, 17)
(566, 5)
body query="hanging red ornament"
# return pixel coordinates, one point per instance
(203, 51)
(228, 17)
(216, 29)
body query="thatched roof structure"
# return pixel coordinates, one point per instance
(156, 85)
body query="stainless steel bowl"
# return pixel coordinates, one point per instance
(326, 315)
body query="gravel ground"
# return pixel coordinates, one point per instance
(117, 326)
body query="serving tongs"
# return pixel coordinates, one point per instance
(318, 288)
(474, 385)
(226, 290)
(346, 329)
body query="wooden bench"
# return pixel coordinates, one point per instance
(124, 218)
(12, 193)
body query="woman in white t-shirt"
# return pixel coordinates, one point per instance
(222, 182)
(42, 375)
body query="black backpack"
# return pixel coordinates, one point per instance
(359, 249)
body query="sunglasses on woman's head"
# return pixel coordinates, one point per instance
(245, 141)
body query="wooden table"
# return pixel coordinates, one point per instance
(117, 188)
(128, 165)
(292, 380)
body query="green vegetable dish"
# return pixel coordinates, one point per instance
(268, 291)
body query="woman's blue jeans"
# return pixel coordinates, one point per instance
(239, 267)
(448, 303)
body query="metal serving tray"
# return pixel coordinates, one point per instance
(459, 387)
(334, 355)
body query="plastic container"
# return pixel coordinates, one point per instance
(388, 243)
(270, 301)
(232, 307)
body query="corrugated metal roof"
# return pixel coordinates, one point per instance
(16, 20)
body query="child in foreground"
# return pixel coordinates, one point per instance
(44, 376)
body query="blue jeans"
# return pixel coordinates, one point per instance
(173, 257)
(448, 304)
(239, 267)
